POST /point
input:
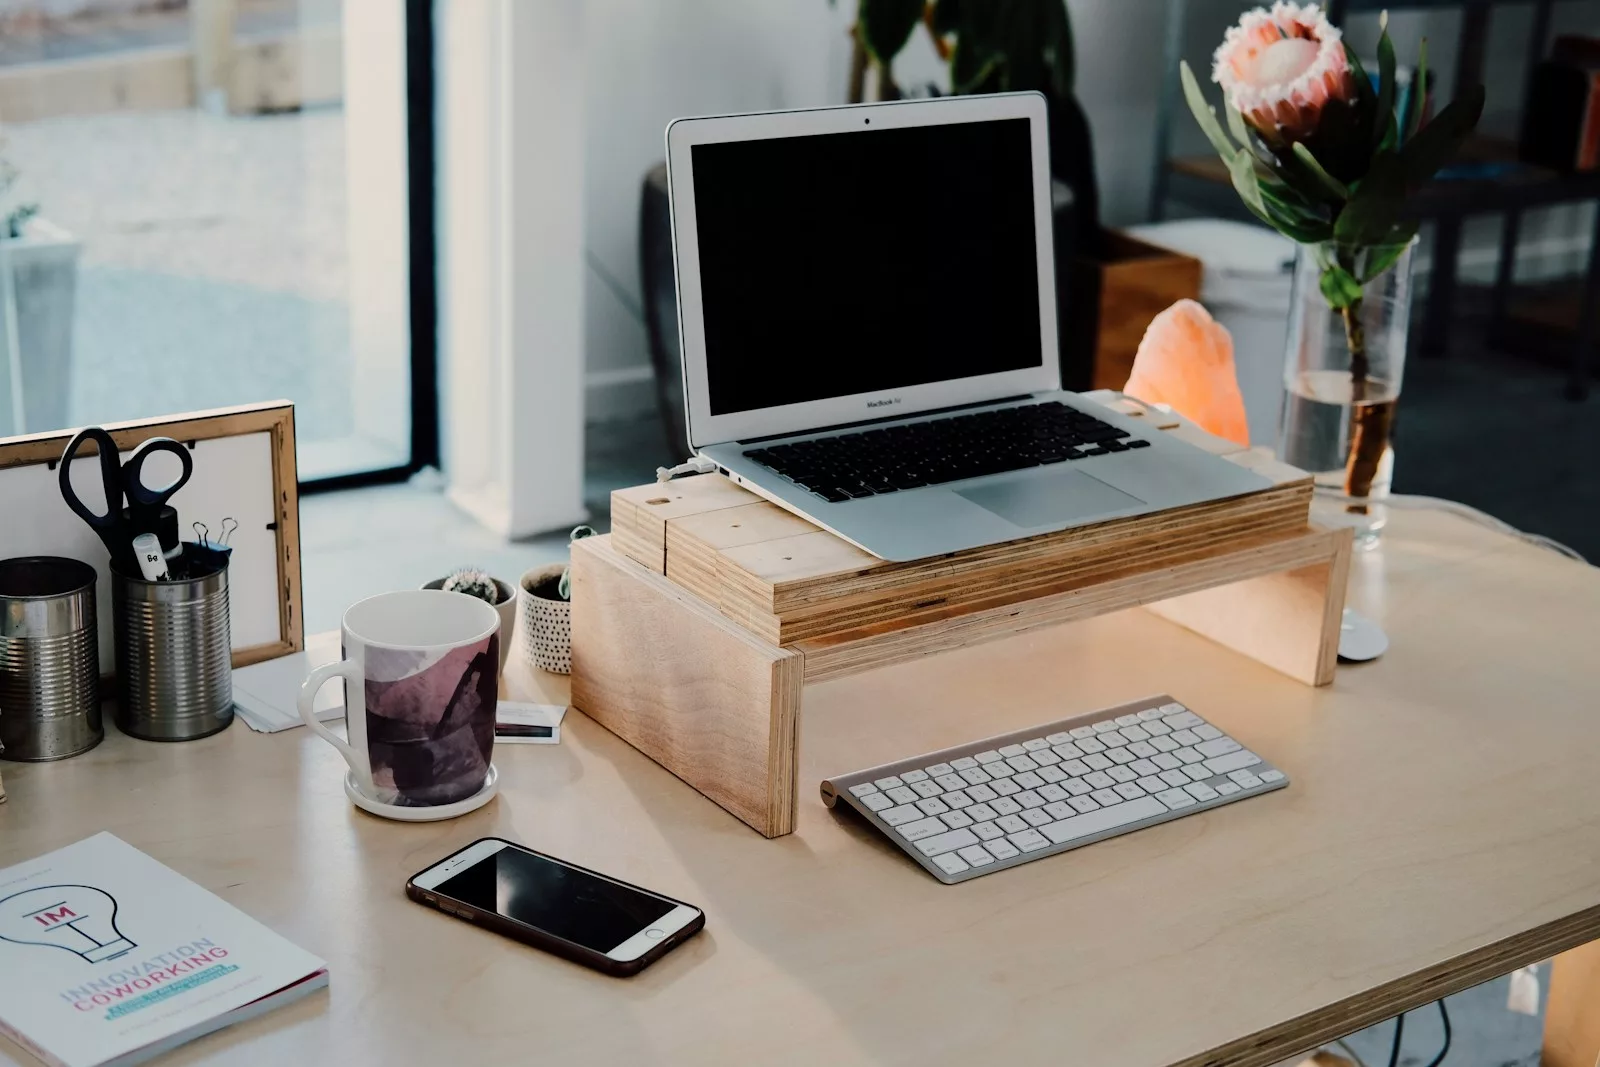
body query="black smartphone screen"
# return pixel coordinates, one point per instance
(573, 905)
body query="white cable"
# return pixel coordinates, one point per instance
(1412, 502)
(697, 465)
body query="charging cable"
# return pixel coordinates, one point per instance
(697, 465)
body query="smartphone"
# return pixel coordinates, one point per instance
(578, 914)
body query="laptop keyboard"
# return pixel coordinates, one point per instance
(909, 456)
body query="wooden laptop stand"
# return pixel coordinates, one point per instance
(698, 622)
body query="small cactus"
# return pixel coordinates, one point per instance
(565, 588)
(473, 582)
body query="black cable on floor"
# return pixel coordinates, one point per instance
(1444, 1017)
(1399, 1032)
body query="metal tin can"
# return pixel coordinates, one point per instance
(49, 659)
(174, 656)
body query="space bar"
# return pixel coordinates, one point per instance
(1105, 819)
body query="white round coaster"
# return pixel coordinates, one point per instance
(407, 813)
(1360, 639)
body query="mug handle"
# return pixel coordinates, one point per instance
(351, 672)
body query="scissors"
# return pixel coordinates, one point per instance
(118, 528)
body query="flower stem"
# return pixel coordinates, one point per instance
(1371, 423)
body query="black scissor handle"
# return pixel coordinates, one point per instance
(141, 496)
(110, 477)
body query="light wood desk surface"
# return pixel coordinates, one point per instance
(1442, 827)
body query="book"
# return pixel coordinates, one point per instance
(108, 957)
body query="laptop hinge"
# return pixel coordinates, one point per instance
(883, 419)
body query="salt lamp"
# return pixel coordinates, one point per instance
(1186, 362)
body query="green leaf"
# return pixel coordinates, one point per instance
(1339, 287)
(1383, 129)
(1363, 83)
(1381, 257)
(1419, 91)
(1205, 116)
(1331, 185)
(1375, 203)
(886, 25)
(1236, 124)
(1436, 143)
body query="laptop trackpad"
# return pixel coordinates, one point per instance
(1052, 498)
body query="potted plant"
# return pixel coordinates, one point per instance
(546, 597)
(476, 582)
(38, 288)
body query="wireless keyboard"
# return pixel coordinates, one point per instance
(992, 804)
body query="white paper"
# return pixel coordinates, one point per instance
(108, 956)
(265, 694)
(517, 713)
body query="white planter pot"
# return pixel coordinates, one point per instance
(44, 280)
(545, 638)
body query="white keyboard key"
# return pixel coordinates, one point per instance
(975, 776)
(1149, 713)
(1143, 767)
(987, 757)
(1271, 776)
(1166, 761)
(1058, 738)
(877, 801)
(863, 789)
(1029, 840)
(1113, 740)
(1135, 733)
(1106, 797)
(981, 793)
(1129, 791)
(933, 806)
(1077, 787)
(1152, 784)
(1123, 774)
(1005, 805)
(1001, 849)
(1091, 744)
(1100, 779)
(1037, 817)
(889, 783)
(1157, 729)
(981, 813)
(939, 768)
(1059, 810)
(1080, 826)
(926, 789)
(1175, 799)
(965, 763)
(1164, 744)
(1201, 791)
(1036, 744)
(1005, 787)
(1021, 763)
(913, 777)
(1172, 708)
(951, 781)
(1227, 789)
(1084, 804)
(1076, 767)
(1188, 755)
(1052, 792)
(1068, 751)
(1045, 758)
(948, 841)
(902, 795)
(1183, 720)
(1143, 749)
(987, 830)
(1012, 750)
(1098, 762)
(1245, 779)
(1105, 726)
(951, 863)
(1028, 780)
(1197, 773)
(903, 814)
(1207, 732)
(1121, 756)
(976, 855)
(955, 820)
(1081, 732)
(1127, 720)
(999, 770)
(922, 828)
(1220, 746)
(1176, 779)
(1186, 737)
(957, 798)
(1011, 823)
(1233, 761)
(1029, 799)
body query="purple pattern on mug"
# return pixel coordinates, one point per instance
(430, 722)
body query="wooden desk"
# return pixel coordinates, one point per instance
(1443, 827)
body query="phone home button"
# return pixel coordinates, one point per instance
(654, 934)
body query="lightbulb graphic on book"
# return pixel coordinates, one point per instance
(76, 918)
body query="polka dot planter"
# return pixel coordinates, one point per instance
(545, 636)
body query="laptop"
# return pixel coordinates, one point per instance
(866, 298)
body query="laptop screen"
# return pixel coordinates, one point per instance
(848, 263)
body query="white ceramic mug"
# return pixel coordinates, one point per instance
(421, 673)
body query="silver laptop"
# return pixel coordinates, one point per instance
(867, 304)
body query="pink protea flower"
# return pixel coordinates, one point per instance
(1280, 68)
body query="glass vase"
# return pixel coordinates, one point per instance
(1341, 377)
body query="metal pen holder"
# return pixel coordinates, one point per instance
(174, 653)
(49, 659)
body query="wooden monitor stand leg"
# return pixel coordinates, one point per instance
(1572, 1014)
